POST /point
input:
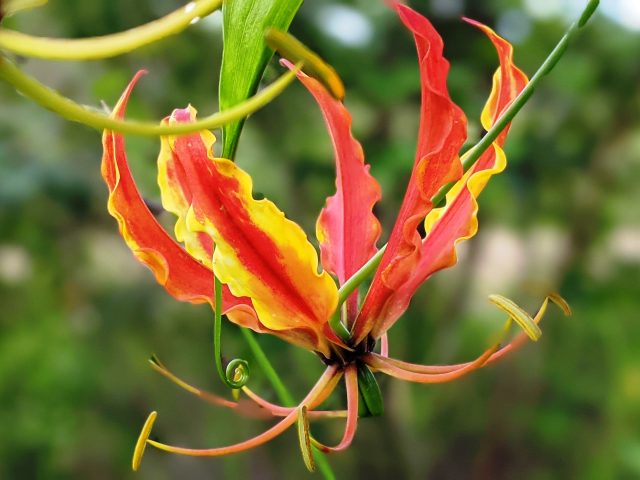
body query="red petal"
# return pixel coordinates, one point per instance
(457, 220)
(181, 275)
(508, 80)
(175, 193)
(441, 135)
(259, 253)
(347, 229)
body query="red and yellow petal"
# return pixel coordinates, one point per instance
(181, 275)
(258, 252)
(508, 81)
(441, 134)
(175, 193)
(347, 228)
(457, 221)
(445, 227)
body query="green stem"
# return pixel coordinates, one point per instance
(261, 358)
(74, 112)
(283, 394)
(360, 276)
(236, 374)
(474, 153)
(108, 45)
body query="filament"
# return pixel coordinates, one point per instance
(351, 381)
(264, 437)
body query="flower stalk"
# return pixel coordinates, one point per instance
(236, 374)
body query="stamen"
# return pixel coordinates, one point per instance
(518, 315)
(384, 345)
(351, 382)
(516, 343)
(277, 429)
(522, 338)
(561, 303)
(305, 439)
(262, 409)
(295, 51)
(383, 365)
(204, 395)
(281, 411)
(141, 444)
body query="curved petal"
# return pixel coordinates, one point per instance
(258, 252)
(175, 194)
(347, 228)
(441, 135)
(445, 227)
(457, 220)
(508, 81)
(181, 275)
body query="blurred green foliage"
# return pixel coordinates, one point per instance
(79, 317)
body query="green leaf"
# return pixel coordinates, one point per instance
(9, 7)
(245, 53)
(372, 404)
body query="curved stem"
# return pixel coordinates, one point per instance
(351, 381)
(476, 151)
(74, 112)
(267, 368)
(258, 440)
(237, 372)
(108, 45)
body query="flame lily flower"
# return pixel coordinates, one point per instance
(269, 271)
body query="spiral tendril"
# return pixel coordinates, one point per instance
(237, 373)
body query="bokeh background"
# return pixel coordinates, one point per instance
(79, 317)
